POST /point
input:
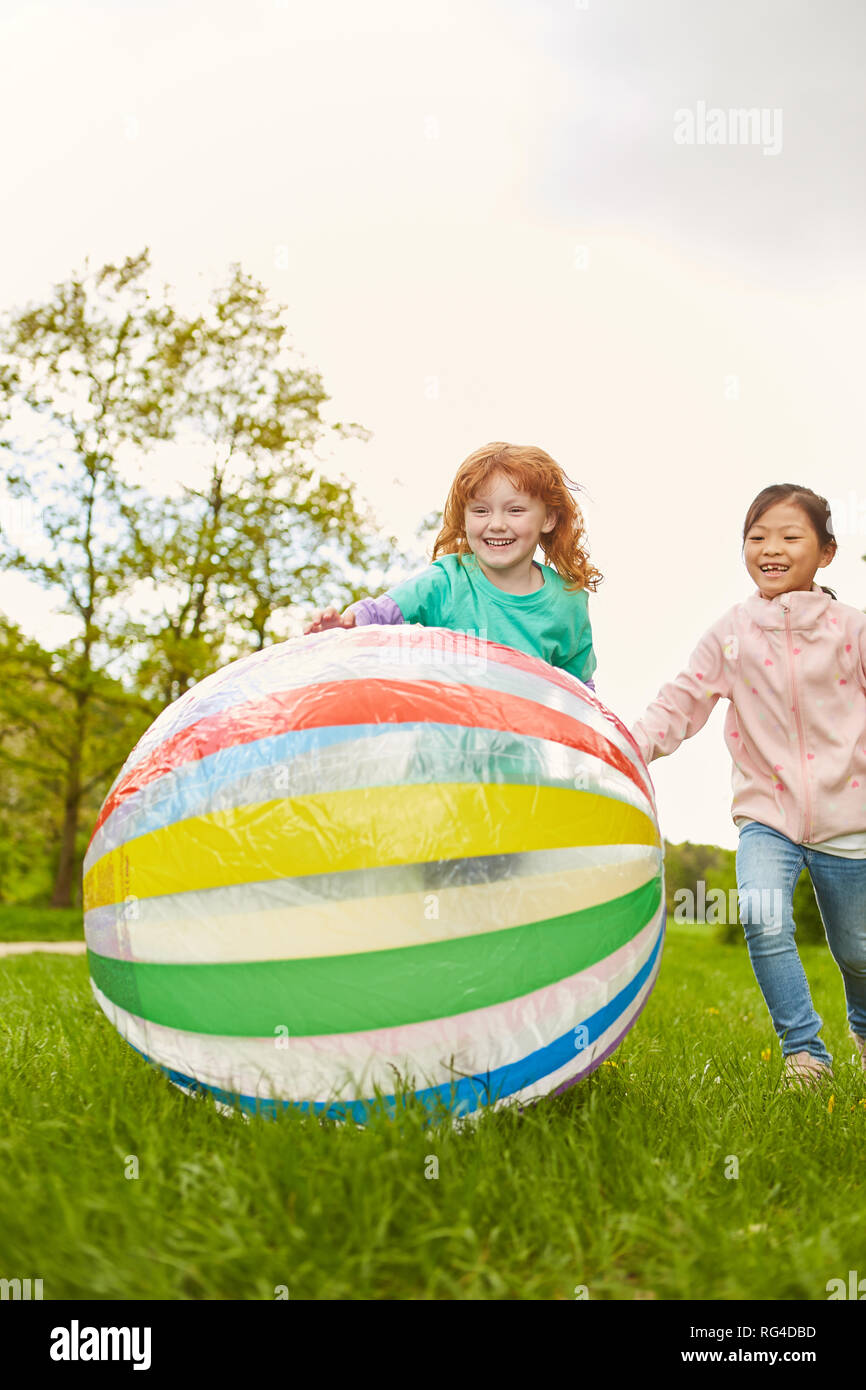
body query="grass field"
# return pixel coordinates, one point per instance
(619, 1185)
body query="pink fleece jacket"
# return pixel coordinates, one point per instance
(794, 670)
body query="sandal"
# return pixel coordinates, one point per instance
(802, 1069)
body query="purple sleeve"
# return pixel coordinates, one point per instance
(375, 610)
(590, 685)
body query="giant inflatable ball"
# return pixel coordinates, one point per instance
(377, 852)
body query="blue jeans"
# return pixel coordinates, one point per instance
(768, 867)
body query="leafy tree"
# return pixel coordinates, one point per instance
(82, 376)
(266, 530)
(40, 722)
(103, 372)
(26, 812)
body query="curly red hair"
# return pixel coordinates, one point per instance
(530, 470)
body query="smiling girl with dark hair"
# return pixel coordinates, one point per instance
(791, 660)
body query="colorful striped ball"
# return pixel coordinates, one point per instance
(375, 852)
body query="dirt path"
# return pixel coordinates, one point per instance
(58, 948)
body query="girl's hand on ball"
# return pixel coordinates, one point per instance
(324, 618)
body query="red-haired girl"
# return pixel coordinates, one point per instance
(506, 500)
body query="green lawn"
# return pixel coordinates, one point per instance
(619, 1185)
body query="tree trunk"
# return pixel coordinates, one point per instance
(63, 884)
(67, 865)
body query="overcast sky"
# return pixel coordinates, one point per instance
(484, 228)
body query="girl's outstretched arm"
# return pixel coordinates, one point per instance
(366, 610)
(684, 705)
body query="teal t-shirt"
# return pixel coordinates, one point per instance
(549, 623)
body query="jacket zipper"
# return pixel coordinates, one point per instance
(807, 821)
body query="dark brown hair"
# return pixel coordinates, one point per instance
(817, 509)
(530, 470)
